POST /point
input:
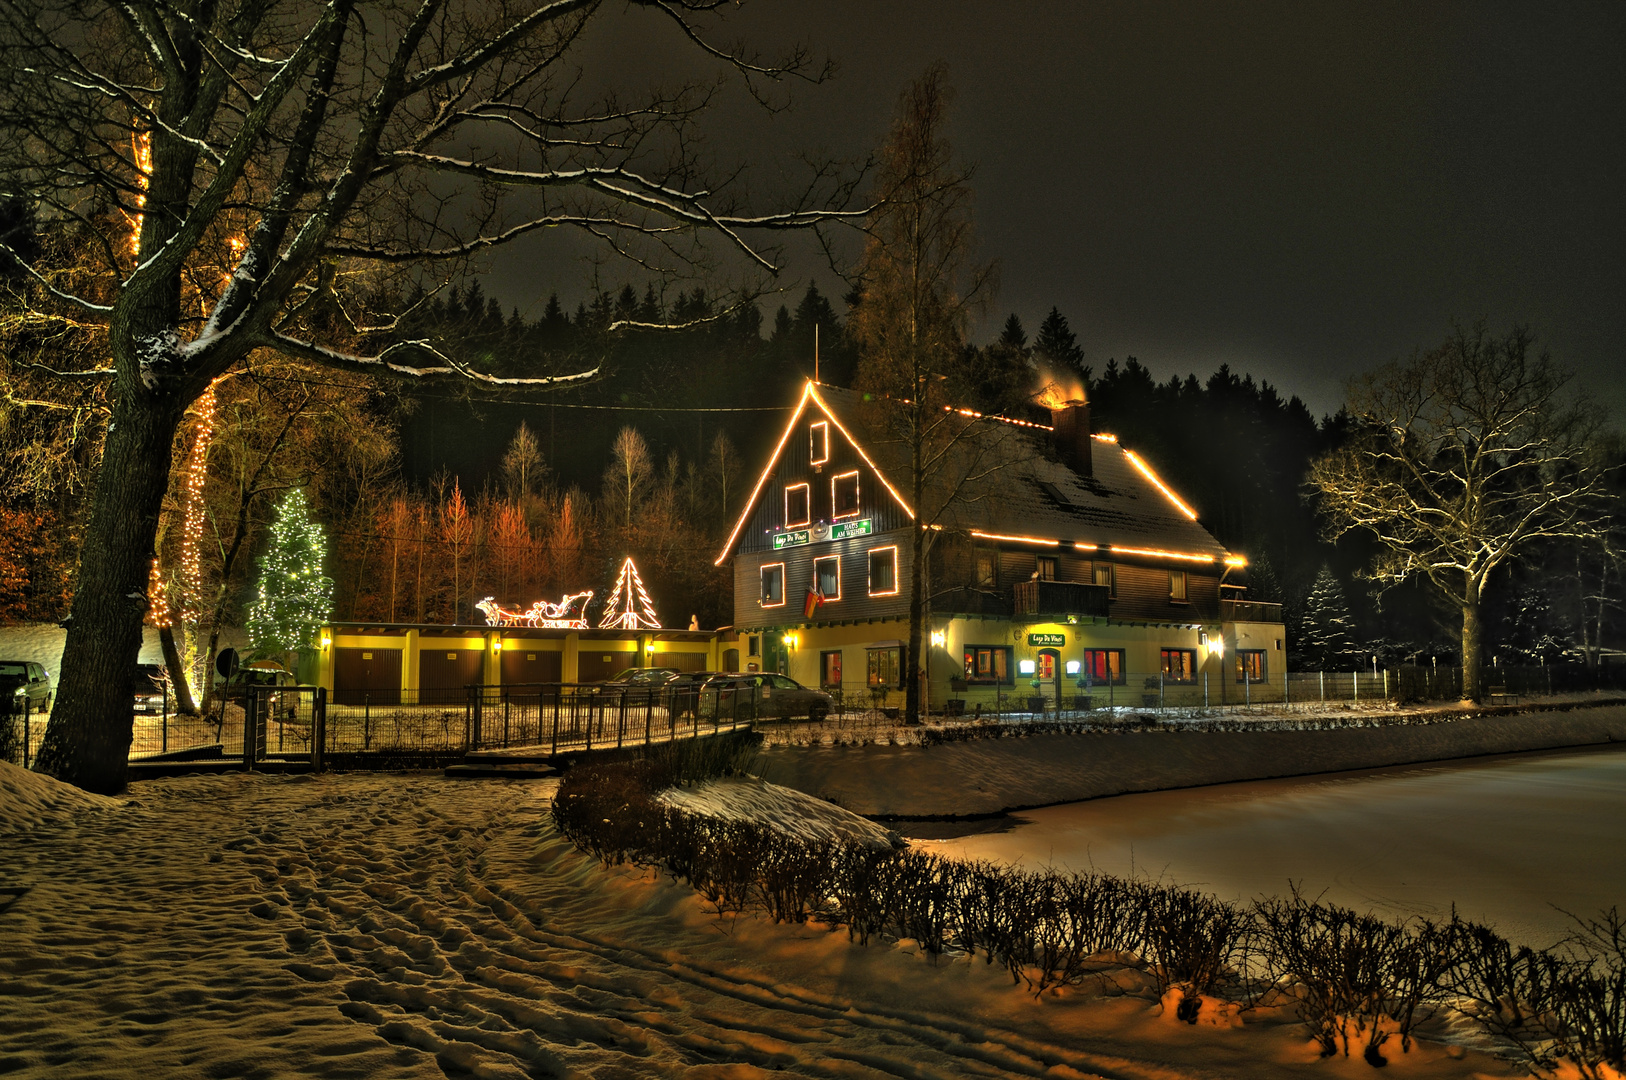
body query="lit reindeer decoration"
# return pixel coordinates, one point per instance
(541, 613)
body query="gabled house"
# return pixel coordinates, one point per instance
(1061, 568)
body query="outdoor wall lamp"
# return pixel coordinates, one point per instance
(790, 640)
(1026, 667)
(496, 644)
(939, 637)
(1074, 666)
(649, 646)
(327, 641)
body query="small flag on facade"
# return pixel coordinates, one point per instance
(814, 599)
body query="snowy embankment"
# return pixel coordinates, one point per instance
(413, 926)
(988, 776)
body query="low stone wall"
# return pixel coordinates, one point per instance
(987, 776)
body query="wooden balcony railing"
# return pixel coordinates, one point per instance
(1060, 598)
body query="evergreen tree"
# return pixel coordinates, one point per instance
(1327, 636)
(1013, 336)
(295, 598)
(1263, 584)
(1057, 346)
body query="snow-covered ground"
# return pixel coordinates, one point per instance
(1513, 841)
(413, 926)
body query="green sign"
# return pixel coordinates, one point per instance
(1047, 639)
(841, 530)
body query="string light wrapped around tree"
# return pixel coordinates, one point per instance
(629, 606)
(295, 599)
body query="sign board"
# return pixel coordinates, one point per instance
(841, 530)
(1047, 639)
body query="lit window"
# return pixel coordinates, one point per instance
(1177, 586)
(827, 577)
(987, 568)
(1104, 576)
(988, 663)
(885, 668)
(1180, 665)
(773, 585)
(883, 571)
(818, 438)
(1104, 666)
(1046, 565)
(844, 495)
(798, 509)
(1250, 665)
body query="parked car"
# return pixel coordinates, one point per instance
(151, 688)
(24, 684)
(242, 684)
(764, 696)
(636, 685)
(683, 692)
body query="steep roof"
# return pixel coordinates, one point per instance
(1016, 488)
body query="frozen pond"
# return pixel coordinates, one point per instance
(1508, 839)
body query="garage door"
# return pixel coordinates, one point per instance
(596, 665)
(366, 676)
(521, 665)
(681, 661)
(443, 674)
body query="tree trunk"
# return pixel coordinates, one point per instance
(88, 739)
(184, 703)
(1473, 634)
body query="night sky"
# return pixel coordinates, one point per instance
(1298, 190)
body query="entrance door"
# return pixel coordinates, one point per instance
(443, 673)
(366, 676)
(1050, 675)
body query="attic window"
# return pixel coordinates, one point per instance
(798, 510)
(844, 495)
(818, 437)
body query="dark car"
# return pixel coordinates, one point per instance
(151, 688)
(24, 685)
(764, 696)
(243, 683)
(683, 692)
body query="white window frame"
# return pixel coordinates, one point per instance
(858, 496)
(808, 491)
(870, 554)
(762, 592)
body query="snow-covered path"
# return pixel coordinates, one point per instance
(412, 926)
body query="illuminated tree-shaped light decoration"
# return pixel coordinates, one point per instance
(629, 606)
(295, 598)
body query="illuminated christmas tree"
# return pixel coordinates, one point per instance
(629, 606)
(295, 598)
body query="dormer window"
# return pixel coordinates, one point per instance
(844, 495)
(818, 438)
(798, 505)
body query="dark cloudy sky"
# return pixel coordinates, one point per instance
(1300, 190)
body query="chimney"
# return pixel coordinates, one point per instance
(1072, 423)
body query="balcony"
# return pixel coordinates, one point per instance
(1250, 611)
(1044, 599)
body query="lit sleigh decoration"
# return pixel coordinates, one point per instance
(555, 616)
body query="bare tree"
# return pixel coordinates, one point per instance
(918, 290)
(628, 477)
(272, 161)
(1465, 458)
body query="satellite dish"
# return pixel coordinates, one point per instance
(226, 662)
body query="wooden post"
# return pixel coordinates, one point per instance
(319, 730)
